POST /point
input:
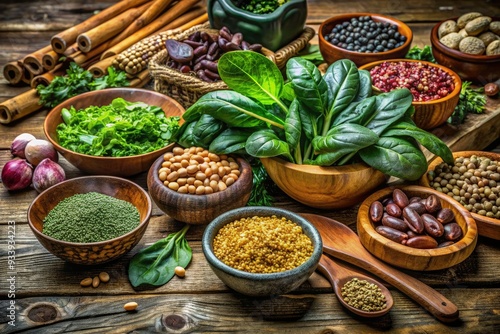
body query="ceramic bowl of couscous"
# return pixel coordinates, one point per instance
(262, 251)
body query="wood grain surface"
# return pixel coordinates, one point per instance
(48, 295)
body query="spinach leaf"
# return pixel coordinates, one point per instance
(396, 157)
(232, 108)
(365, 86)
(206, 129)
(390, 107)
(242, 72)
(155, 265)
(426, 139)
(346, 137)
(231, 140)
(186, 136)
(308, 84)
(288, 93)
(357, 112)
(293, 126)
(266, 144)
(342, 79)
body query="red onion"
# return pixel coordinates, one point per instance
(19, 143)
(16, 174)
(47, 174)
(39, 149)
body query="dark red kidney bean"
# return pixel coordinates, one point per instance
(376, 211)
(222, 43)
(179, 51)
(445, 244)
(245, 45)
(230, 46)
(432, 226)
(387, 200)
(432, 204)
(422, 242)
(225, 34)
(195, 36)
(445, 216)
(205, 36)
(393, 209)
(209, 65)
(255, 47)
(452, 231)
(413, 219)
(212, 48)
(200, 58)
(237, 38)
(199, 51)
(193, 44)
(201, 74)
(418, 206)
(400, 198)
(185, 69)
(392, 234)
(395, 223)
(412, 234)
(415, 199)
(197, 67)
(212, 75)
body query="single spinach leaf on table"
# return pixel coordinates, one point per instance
(155, 265)
(266, 144)
(396, 157)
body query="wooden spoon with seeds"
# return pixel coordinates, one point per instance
(338, 275)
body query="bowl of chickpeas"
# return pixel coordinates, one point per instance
(262, 251)
(193, 185)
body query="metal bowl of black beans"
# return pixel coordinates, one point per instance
(363, 38)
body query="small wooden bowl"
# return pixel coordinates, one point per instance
(117, 166)
(324, 187)
(332, 53)
(200, 209)
(477, 68)
(412, 258)
(430, 114)
(486, 226)
(94, 252)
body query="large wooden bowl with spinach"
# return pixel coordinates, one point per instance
(91, 152)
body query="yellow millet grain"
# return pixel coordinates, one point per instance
(262, 244)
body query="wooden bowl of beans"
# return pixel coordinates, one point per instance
(435, 88)
(193, 185)
(91, 219)
(363, 38)
(417, 228)
(262, 251)
(474, 181)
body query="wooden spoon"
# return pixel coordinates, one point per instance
(341, 242)
(338, 275)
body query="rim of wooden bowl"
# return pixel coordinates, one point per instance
(55, 113)
(465, 245)
(455, 76)
(456, 53)
(99, 244)
(492, 223)
(328, 23)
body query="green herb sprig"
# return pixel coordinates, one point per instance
(471, 100)
(260, 195)
(260, 6)
(155, 265)
(424, 53)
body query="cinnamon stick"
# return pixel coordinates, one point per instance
(50, 60)
(47, 77)
(141, 79)
(65, 38)
(164, 22)
(19, 106)
(100, 68)
(13, 72)
(147, 17)
(27, 76)
(33, 61)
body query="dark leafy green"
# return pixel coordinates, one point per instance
(471, 100)
(262, 183)
(155, 265)
(418, 53)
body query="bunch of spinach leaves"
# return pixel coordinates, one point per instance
(330, 119)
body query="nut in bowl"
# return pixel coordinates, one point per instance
(194, 186)
(474, 181)
(440, 233)
(115, 191)
(110, 165)
(261, 273)
(435, 93)
(360, 38)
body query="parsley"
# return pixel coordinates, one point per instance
(260, 195)
(421, 54)
(260, 6)
(470, 101)
(76, 81)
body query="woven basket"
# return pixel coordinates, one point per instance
(186, 88)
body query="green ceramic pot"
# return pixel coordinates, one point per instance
(273, 30)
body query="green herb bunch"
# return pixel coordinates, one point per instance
(470, 101)
(331, 119)
(76, 81)
(260, 6)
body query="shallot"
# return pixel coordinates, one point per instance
(19, 143)
(47, 174)
(38, 149)
(17, 174)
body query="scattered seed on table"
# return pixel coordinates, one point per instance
(86, 282)
(96, 281)
(130, 306)
(179, 271)
(104, 277)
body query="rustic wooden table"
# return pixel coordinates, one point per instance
(41, 294)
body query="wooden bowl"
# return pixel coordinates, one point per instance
(265, 284)
(332, 53)
(200, 209)
(324, 187)
(480, 69)
(429, 114)
(413, 258)
(95, 252)
(486, 226)
(117, 166)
